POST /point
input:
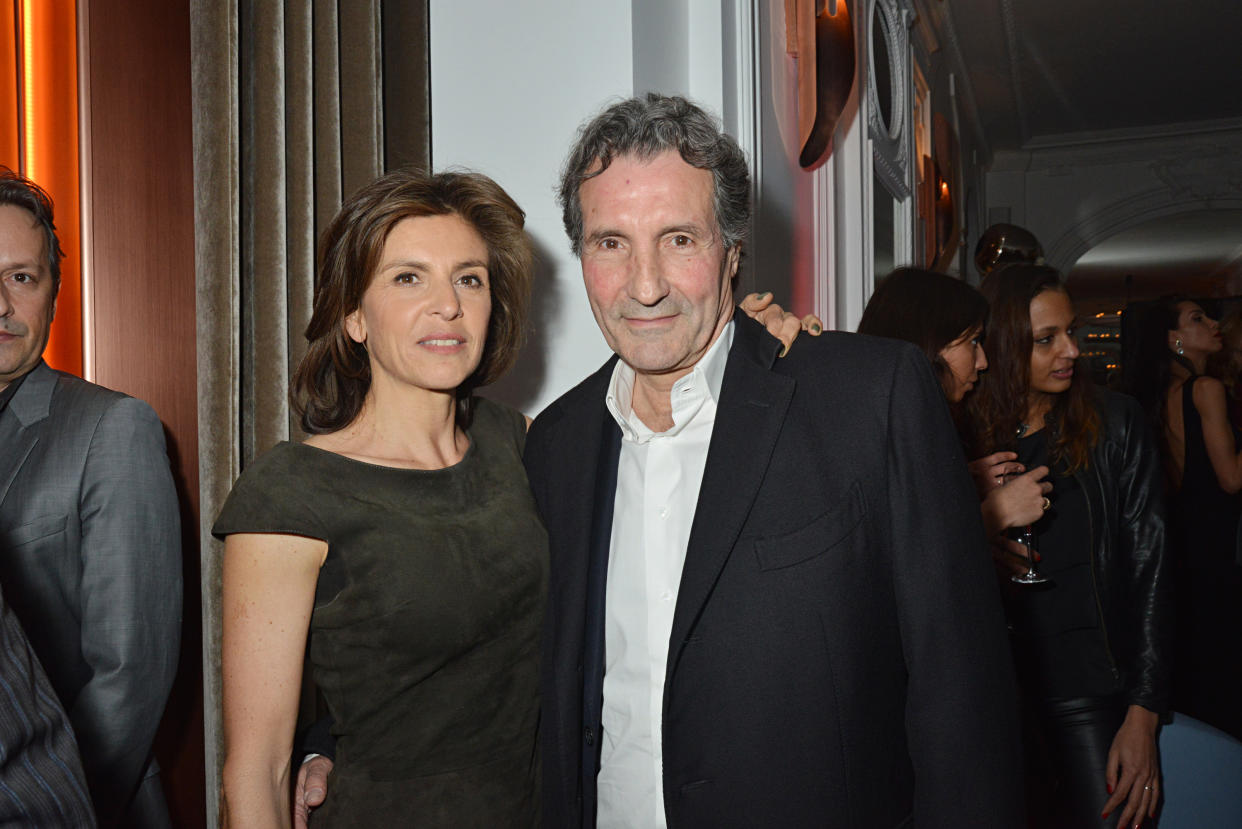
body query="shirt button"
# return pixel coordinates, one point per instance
(667, 595)
(664, 512)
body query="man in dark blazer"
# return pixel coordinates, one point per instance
(770, 600)
(89, 529)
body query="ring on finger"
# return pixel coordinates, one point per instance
(1044, 506)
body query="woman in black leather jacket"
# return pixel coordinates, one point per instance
(947, 318)
(1091, 644)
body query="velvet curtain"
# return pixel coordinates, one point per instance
(290, 105)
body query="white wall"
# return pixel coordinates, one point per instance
(510, 84)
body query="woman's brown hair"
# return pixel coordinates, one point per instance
(333, 378)
(999, 405)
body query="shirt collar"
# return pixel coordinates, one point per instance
(701, 384)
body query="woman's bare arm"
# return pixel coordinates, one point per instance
(268, 595)
(1209, 399)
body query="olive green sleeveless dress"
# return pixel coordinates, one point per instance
(425, 633)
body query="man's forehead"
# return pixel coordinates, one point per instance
(676, 172)
(22, 240)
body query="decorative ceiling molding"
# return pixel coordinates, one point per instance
(1120, 149)
(1092, 229)
(1159, 131)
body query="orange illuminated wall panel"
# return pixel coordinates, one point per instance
(39, 139)
(10, 110)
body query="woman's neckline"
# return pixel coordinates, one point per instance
(466, 456)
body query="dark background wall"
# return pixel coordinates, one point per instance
(139, 202)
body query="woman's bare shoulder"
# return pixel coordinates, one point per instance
(1208, 391)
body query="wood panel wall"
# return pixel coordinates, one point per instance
(138, 196)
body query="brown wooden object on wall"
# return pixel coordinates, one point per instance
(820, 36)
(138, 191)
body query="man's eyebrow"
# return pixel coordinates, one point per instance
(688, 227)
(602, 233)
(15, 265)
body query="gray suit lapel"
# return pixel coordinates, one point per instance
(18, 437)
(753, 402)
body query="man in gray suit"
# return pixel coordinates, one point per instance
(89, 528)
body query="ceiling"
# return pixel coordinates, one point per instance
(1042, 70)
(1041, 73)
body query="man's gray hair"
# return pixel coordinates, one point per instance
(643, 128)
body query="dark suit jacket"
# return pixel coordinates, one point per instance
(90, 558)
(41, 781)
(838, 654)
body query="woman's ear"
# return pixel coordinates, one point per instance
(356, 326)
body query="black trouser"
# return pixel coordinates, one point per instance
(1067, 743)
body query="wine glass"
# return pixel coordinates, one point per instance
(1026, 537)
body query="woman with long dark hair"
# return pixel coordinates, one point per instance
(1090, 645)
(947, 319)
(1189, 411)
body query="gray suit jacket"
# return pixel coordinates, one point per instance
(90, 557)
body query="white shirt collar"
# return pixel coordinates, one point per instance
(701, 383)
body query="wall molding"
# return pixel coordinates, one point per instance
(1123, 214)
(890, 144)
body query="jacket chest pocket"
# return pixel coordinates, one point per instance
(815, 538)
(41, 527)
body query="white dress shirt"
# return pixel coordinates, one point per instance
(658, 479)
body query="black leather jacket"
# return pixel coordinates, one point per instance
(1125, 499)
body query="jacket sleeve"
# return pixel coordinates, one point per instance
(1141, 548)
(130, 599)
(961, 704)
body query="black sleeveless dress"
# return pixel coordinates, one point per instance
(1207, 674)
(424, 638)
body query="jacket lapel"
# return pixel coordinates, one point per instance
(29, 406)
(593, 656)
(749, 416)
(583, 464)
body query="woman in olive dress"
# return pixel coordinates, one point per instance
(401, 536)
